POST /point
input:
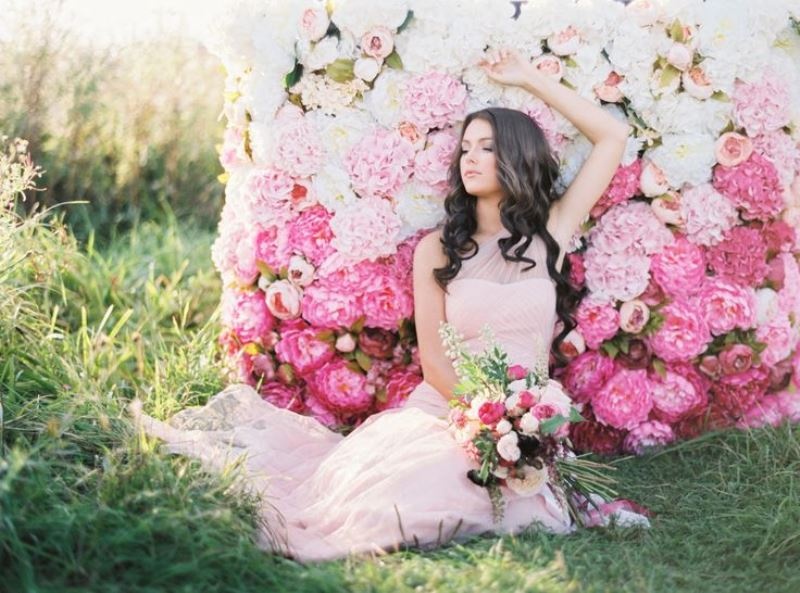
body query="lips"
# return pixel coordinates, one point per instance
(471, 173)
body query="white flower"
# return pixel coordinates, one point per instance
(345, 343)
(283, 299)
(529, 424)
(767, 306)
(507, 446)
(503, 427)
(323, 53)
(314, 23)
(644, 12)
(349, 223)
(263, 93)
(367, 68)
(532, 482)
(685, 158)
(300, 271)
(332, 187)
(417, 208)
(340, 132)
(385, 100)
(500, 472)
(359, 16)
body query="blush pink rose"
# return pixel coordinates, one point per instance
(732, 149)
(586, 374)
(667, 208)
(300, 347)
(378, 43)
(679, 56)
(726, 306)
(549, 65)
(314, 23)
(597, 322)
(300, 272)
(340, 388)
(740, 257)
(564, 42)
(648, 436)
(609, 90)
(283, 299)
(624, 401)
(435, 100)
(652, 182)
(683, 334)
(679, 268)
(696, 83)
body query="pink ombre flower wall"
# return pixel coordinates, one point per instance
(340, 127)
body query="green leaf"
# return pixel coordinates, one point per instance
(575, 415)
(327, 335)
(721, 96)
(668, 75)
(340, 70)
(294, 76)
(624, 345)
(358, 325)
(266, 270)
(551, 425)
(393, 60)
(610, 349)
(570, 62)
(364, 361)
(658, 366)
(676, 31)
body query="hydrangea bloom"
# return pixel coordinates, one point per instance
(707, 214)
(740, 257)
(435, 100)
(762, 106)
(753, 186)
(379, 163)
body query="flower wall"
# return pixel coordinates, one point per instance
(341, 121)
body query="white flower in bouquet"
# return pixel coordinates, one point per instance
(417, 208)
(504, 427)
(385, 101)
(508, 448)
(685, 158)
(531, 481)
(359, 16)
(340, 132)
(333, 189)
(367, 68)
(529, 424)
(320, 54)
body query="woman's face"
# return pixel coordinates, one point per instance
(478, 163)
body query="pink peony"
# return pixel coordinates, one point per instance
(327, 305)
(740, 257)
(733, 149)
(789, 403)
(780, 338)
(380, 163)
(272, 247)
(648, 436)
(491, 413)
(310, 234)
(766, 412)
(707, 214)
(321, 412)
(431, 165)
(597, 322)
(624, 401)
(283, 396)
(300, 347)
(752, 186)
(619, 276)
(623, 186)
(735, 358)
(266, 197)
(577, 271)
(385, 300)
(683, 334)
(737, 393)
(675, 397)
(246, 314)
(435, 100)
(726, 306)
(340, 388)
(679, 268)
(586, 374)
(762, 106)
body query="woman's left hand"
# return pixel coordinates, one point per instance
(507, 67)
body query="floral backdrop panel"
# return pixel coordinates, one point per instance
(343, 117)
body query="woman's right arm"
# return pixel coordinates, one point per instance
(429, 313)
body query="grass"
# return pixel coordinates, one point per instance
(86, 504)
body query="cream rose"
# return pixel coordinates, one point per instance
(732, 149)
(314, 24)
(528, 424)
(679, 56)
(533, 481)
(668, 208)
(633, 316)
(507, 447)
(283, 299)
(367, 68)
(609, 90)
(301, 273)
(696, 83)
(652, 181)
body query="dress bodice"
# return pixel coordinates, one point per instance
(518, 305)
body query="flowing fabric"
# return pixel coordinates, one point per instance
(399, 479)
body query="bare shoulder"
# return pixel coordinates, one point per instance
(429, 252)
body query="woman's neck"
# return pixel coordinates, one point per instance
(488, 215)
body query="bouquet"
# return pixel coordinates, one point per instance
(514, 423)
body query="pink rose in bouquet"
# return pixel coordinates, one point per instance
(586, 374)
(624, 185)
(516, 372)
(431, 165)
(683, 334)
(647, 436)
(707, 214)
(340, 388)
(310, 234)
(652, 182)
(597, 322)
(726, 306)
(679, 268)
(380, 163)
(737, 393)
(740, 256)
(490, 413)
(624, 401)
(762, 106)
(283, 299)
(435, 100)
(283, 396)
(675, 397)
(753, 186)
(378, 43)
(246, 314)
(733, 149)
(300, 347)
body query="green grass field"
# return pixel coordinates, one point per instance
(87, 504)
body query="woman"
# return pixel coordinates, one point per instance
(400, 479)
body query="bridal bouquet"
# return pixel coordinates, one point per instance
(514, 423)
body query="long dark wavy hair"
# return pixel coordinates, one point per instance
(527, 172)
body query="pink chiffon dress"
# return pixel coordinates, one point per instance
(399, 479)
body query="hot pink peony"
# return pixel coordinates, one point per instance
(737, 393)
(246, 314)
(384, 300)
(752, 186)
(624, 401)
(435, 100)
(283, 396)
(679, 268)
(648, 436)
(491, 413)
(300, 347)
(272, 247)
(310, 234)
(431, 165)
(586, 374)
(327, 305)
(675, 397)
(726, 306)
(683, 334)
(341, 388)
(597, 322)
(380, 163)
(623, 186)
(740, 256)
(400, 382)
(762, 106)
